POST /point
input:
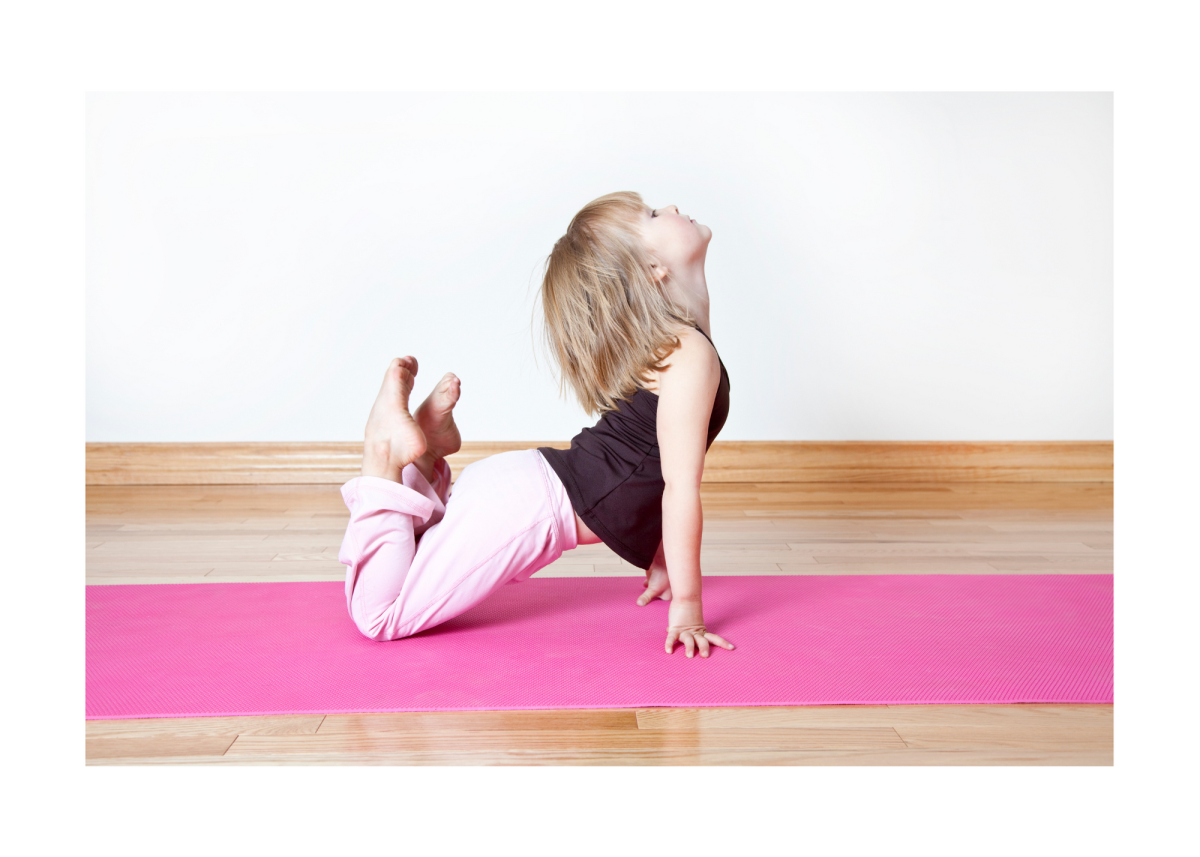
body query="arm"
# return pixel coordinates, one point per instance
(686, 390)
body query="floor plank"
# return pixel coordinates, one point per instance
(893, 716)
(590, 743)
(275, 724)
(498, 721)
(1050, 737)
(662, 756)
(157, 744)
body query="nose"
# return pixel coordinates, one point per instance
(674, 208)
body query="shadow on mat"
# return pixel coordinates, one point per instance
(521, 603)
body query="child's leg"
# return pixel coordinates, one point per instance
(508, 516)
(386, 520)
(394, 500)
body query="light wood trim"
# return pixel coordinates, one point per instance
(910, 461)
(727, 461)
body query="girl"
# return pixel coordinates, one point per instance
(624, 290)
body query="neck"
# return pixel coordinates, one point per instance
(691, 292)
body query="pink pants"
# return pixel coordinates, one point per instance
(417, 555)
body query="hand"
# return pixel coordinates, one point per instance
(687, 626)
(657, 584)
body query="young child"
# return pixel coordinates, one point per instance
(626, 314)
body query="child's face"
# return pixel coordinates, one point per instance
(674, 239)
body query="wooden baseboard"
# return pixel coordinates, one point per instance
(727, 461)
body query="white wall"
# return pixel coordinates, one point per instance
(883, 267)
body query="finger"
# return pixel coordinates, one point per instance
(689, 642)
(646, 597)
(671, 638)
(720, 641)
(702, 642)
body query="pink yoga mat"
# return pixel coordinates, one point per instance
(276, 648)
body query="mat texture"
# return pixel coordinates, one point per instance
(177, 650)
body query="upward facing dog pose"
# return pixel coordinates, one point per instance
(626, 312)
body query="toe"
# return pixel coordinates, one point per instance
(405, 377)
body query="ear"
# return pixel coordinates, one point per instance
(659, 272)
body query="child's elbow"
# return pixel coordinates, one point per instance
(681, 487)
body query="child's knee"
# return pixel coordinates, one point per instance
(379, 633)
(375, 626)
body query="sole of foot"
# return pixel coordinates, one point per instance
(435, 417)
(392, 438)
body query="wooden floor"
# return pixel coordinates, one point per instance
(199, 534)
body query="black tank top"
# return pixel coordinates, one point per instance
(613, 474)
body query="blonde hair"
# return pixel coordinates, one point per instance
(607, 321)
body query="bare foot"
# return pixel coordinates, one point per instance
(435, 418)
(392, 438)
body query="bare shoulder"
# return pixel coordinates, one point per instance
(687, 388)
(694, 348)
(693, 364)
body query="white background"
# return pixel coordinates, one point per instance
(883, 266)
(55, 53)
